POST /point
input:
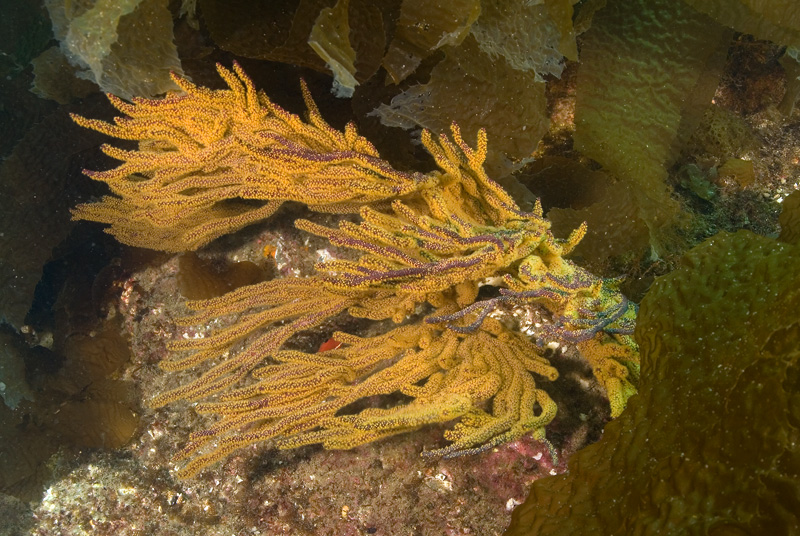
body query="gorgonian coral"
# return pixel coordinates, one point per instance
(426, 244)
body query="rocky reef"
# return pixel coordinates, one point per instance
(668, 127)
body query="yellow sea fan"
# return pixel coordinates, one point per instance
(210, 162)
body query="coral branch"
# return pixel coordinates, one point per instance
(211, 161)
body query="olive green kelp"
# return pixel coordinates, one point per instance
(709, 446)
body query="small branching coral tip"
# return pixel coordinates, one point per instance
(212, 161)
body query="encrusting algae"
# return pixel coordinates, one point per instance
(212, 161)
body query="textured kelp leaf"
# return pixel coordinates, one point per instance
(790, 219)
(423, 28)
(330, 39)
(126, 47)
(274, 31)
(476, 91)
(648, 71)
(709, 444)
(36, 192)
(55, 78)
(524, 34)
(773, 20)
(606, 205)
(101, 418)
(200, 279)
(363, 29)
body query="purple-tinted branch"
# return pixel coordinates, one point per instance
(425, 270)
(485, 307)
(380, 251)
(592, 324)
(550, 294)
(580, 282)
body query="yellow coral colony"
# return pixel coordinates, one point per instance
(200, 168)
(210, 162)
